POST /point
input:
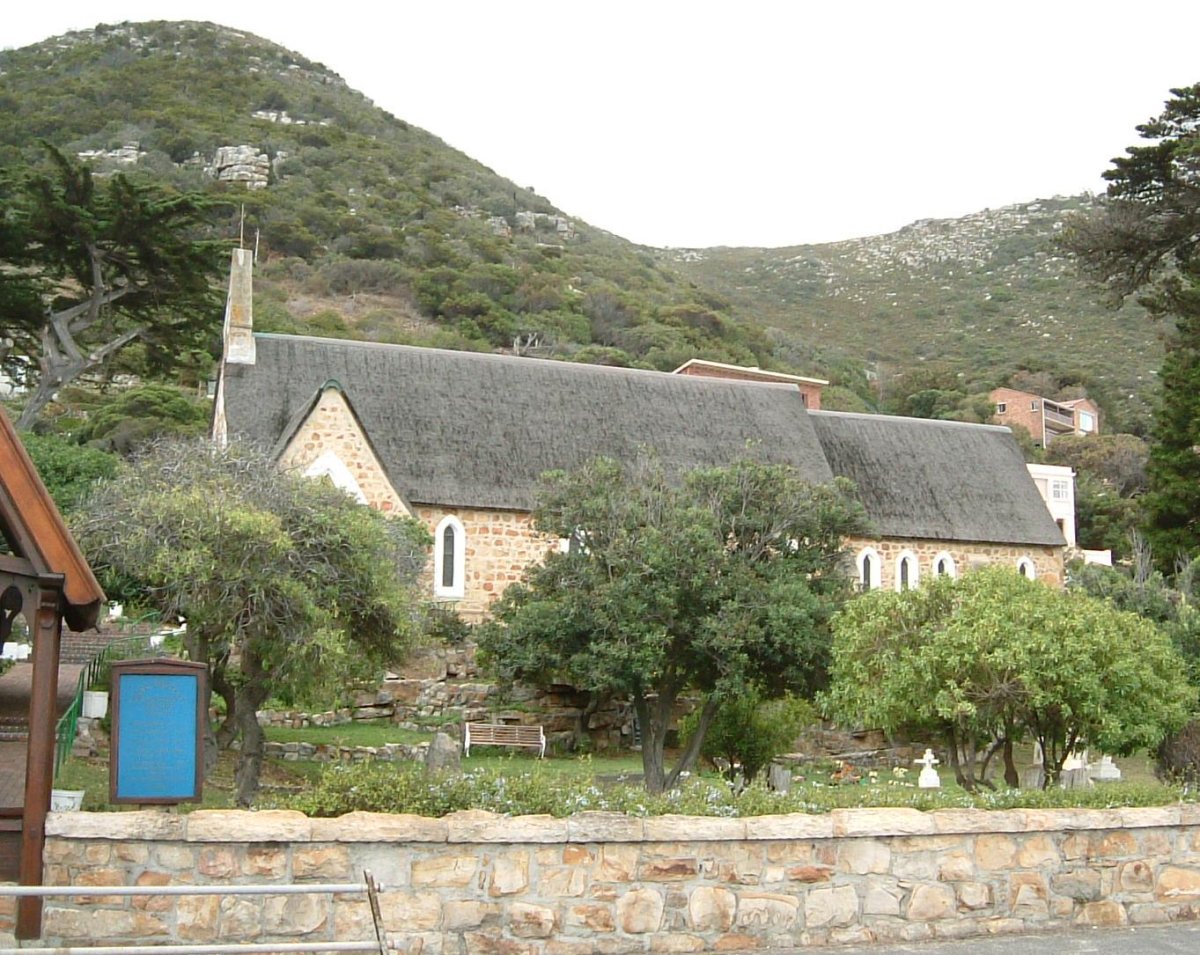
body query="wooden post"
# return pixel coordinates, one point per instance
(39, 766)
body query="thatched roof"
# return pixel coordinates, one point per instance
(940, 480)
(476, 430)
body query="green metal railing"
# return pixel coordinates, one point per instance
(122, 649)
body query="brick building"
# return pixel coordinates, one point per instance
(810, 388)
(1042, 417)
(459, 440)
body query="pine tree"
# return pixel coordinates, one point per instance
(1172, 505)
(90, 265)
(1143, 239)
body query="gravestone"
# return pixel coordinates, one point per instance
(1105, 771)
(779, 778)
(1075, 771)
(443, 754)
(929, 778)
(1033, 777)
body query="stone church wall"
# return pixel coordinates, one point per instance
(499, 546)
(332, 428)
(967, 556)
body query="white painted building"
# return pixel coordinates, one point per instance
(1056, 485)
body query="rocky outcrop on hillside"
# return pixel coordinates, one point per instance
(240, 164)
(128, 155)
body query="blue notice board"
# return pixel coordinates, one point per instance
(159, 708)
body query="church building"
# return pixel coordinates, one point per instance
(459, 440)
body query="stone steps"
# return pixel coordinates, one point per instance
(13, 729)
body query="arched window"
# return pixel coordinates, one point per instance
(1026, 568)
(907, 573)
(944, 566)
(449, 559)
(869, 568)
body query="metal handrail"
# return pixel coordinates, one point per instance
(47, 891)
(68, 723)
(222, 949)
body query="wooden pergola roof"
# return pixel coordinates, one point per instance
(36, 535)
(47, 575)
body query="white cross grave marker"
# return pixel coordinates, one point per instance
(929, 777)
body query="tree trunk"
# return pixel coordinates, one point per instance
(250, 696)
(993, 748)
(227, 731)
(969, 761)
(1012, 779)
(41, 396)
(62, 360)
(687, 758)
(653, 774)
(1051, 763)
(955, 762)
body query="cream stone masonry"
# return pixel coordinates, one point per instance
(500, 545)
(331, 429)
(536, 885)
(967, 556)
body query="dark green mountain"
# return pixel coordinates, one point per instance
(371, 228)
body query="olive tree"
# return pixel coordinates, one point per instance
(994, 656)
(287, 585)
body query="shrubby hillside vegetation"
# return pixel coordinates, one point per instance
(371, 228)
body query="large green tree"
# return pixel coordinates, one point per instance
(287, 585)
(89, 266)
(993, 657)
(1110, 478)
(722, 581)
(1143, 240)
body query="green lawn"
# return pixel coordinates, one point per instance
(361, 733)
(91, 775)
(281, 778)
(516, 761)
(378, 733)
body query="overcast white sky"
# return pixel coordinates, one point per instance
(743, 122)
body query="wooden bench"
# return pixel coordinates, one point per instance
(503, 734)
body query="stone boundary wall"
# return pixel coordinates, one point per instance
(601, 882)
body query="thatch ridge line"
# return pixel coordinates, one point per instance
(938, 422)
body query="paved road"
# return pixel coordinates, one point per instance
(1176, 939)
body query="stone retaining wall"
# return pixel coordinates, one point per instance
(336, 753)
(439, 686)
(598, 882)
